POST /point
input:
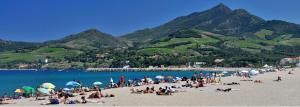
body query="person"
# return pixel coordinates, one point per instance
(145, 80)
(147, 90)
(279, 78)
(83, 100)
(66, 99)
(194, 77)
(290, 72)
(201, 82)
(122, 81)
(52, 101)
(3, 101)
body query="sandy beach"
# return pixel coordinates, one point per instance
(248, 93)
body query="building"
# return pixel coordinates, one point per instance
(294, 60)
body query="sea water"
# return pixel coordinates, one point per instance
(13, 79)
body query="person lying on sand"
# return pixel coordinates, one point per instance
(290, 72)
(3, 101)
(53, 101)
(136, 91)
(109, 95)
(258, 81)
(166, 91)
(232, 83)
(224, 90)
(246, 80)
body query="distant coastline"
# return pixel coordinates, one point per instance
(18, 69)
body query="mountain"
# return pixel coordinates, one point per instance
(14, 45)
(219, 19)
(89, 39)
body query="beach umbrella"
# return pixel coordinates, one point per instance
(73, 84)
(28, 90)
(19, 91)
(66, 89)
(244, 71)
(48, 85)
(149, 79)
(159, 77)
(224, 72)
(178, 78)
(44, 91)
(254, 72)
(170, 77)
(97, 83)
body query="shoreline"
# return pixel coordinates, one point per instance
(166, 69)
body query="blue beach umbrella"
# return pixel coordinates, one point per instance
(73, 84)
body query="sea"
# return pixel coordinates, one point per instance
(10, 80)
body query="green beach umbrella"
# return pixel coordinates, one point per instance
(28, 90)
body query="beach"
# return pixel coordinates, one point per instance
(248, 93)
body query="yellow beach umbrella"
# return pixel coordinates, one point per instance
(19, 91)
(48, 85)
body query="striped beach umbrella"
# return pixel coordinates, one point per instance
(43, 91)
(19, 91)
(48, 85)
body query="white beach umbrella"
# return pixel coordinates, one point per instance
(178, 78)
(159, 77)
(266, 66)
(253, 72)
(244, 71)
(97, 83)
(224, 72)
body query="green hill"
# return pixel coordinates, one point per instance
(87, 40)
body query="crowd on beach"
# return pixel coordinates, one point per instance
(95, 93)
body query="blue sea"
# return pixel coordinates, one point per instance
(11, 80)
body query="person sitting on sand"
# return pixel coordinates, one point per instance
(97, 94)
(83, 100)
(152, 89)
(147, 90)
(279, 78)
(82, 92)
(65, 99)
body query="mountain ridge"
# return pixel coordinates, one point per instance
(219, 19)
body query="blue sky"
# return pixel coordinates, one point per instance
(41, 20)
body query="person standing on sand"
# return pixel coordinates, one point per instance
(122, 81)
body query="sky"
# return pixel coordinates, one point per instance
(42, 20)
